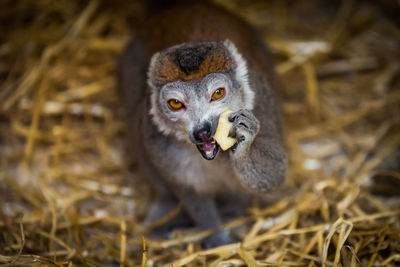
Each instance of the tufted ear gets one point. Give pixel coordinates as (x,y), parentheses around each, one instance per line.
(241,73)
(152,74)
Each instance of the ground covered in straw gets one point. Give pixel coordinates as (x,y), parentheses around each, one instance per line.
(68,196)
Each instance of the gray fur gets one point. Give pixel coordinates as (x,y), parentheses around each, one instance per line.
(160,141)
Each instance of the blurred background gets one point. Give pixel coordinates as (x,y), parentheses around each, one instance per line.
(70,197)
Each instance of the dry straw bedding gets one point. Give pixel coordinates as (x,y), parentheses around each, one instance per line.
(69,196)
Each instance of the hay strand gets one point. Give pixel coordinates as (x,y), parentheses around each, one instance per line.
(70,196)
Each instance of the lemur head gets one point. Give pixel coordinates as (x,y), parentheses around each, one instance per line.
(192,84)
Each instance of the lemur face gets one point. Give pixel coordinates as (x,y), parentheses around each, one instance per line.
(192,84)
(191,109)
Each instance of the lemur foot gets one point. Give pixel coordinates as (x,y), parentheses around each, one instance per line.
(218,239)
(245,128)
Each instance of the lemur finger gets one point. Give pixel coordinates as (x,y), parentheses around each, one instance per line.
(242,115)
(240,127)
(232,116)
(241,133)
(232,132)
(244,121)
(246,113)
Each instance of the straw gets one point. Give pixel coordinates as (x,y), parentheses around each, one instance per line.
(70,196)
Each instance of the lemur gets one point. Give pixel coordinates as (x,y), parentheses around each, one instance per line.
(184,66)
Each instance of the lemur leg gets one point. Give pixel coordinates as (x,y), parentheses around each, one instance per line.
(162,207)
(233,205)
(160,210)
(203,211)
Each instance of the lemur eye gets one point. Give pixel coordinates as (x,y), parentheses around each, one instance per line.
(218,94)
(175,104)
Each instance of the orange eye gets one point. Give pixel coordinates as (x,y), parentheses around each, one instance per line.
(175,104)
(218,94)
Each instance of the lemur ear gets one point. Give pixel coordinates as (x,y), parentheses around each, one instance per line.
(241,73)
(152,73)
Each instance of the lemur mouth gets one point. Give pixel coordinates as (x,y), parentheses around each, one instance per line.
(208,149)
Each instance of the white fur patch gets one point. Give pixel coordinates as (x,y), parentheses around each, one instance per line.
(162,127)
(241,73)
(160,124)
(154,110)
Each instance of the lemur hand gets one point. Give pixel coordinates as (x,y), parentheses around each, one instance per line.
(245,128)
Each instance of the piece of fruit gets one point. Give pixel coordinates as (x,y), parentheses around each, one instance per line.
(223,128)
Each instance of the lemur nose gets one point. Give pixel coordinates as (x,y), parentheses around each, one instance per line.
(203,134)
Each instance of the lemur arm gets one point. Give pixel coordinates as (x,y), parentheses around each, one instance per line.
(262,167)
(259,159)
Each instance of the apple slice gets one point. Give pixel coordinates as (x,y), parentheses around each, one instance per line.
(223,128)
